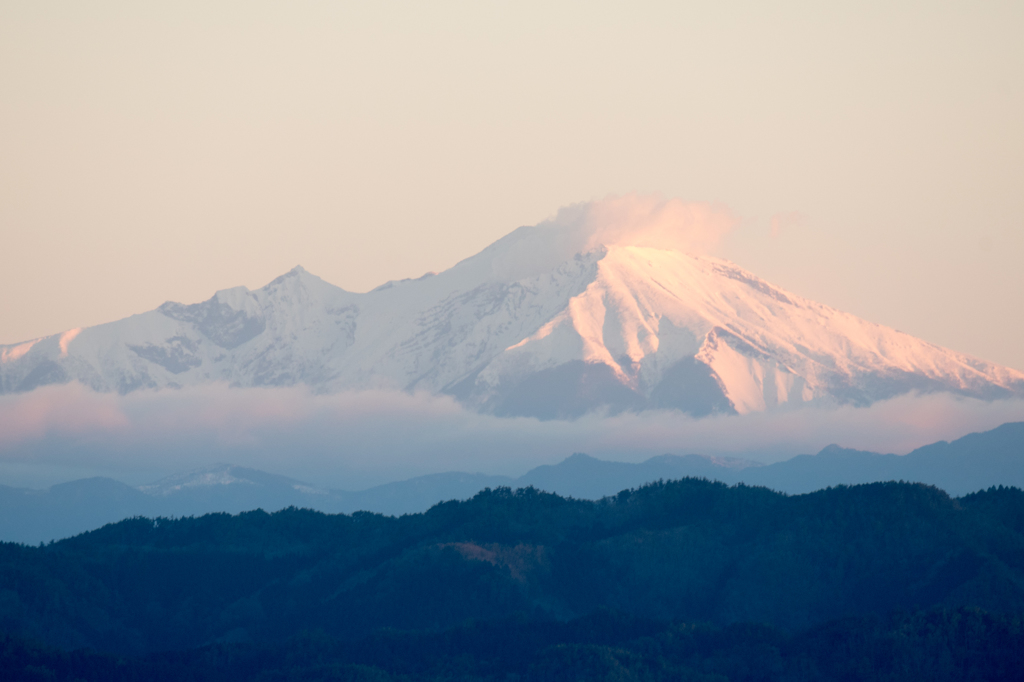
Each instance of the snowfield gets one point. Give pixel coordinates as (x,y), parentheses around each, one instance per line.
(530,326)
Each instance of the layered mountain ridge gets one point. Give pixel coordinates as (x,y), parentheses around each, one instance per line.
(966,465)
(533,325)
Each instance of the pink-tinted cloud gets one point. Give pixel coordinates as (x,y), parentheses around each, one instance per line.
(646,220)
(357,439)
(70,410)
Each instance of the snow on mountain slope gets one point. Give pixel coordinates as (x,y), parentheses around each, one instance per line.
(675,329)
(220,477)
(542,323)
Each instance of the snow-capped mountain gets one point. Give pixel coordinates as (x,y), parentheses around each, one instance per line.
(538,324)
(227,476)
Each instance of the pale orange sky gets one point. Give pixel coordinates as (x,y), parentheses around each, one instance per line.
(874,153)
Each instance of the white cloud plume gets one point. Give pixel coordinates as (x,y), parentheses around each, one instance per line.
(357,439)
(645,220)
(626,220)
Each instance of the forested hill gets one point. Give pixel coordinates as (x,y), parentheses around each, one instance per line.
(687,550)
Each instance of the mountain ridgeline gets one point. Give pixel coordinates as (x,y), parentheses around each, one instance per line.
(540,324)
(494,569)
(974,462)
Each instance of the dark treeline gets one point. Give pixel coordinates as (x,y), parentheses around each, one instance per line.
(935,645)
(529,567)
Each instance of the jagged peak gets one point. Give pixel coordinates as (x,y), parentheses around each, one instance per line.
(833,450)
(300,276)
(578,457)
(563,296)
(297,272)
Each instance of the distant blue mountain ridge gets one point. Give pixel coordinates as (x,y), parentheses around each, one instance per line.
(974,462)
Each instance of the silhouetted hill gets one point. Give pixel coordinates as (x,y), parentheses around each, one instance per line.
(69,508)
(936,644)
(688,550)
(974,462)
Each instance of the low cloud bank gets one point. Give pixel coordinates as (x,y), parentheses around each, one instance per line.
(357,439)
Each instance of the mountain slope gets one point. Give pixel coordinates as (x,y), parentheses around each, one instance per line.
(529,326)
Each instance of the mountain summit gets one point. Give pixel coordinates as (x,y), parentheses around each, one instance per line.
(550,321)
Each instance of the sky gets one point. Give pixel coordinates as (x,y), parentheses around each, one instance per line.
(871,153)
